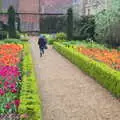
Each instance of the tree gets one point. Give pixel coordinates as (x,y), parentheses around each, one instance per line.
(69,24)
(11,22)
(107,25)
(84,28)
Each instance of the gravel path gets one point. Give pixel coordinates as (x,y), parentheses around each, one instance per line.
(68,93)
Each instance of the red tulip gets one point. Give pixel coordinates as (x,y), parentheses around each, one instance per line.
(2,92)
(0,82)
(13,85)
(17,102)
(7,106)
(14,90)
(6,83)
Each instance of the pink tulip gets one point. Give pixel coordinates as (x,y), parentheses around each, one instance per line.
(2,92)
(6,83)
(7,106)
(13,90)
(13,85)
(17,102)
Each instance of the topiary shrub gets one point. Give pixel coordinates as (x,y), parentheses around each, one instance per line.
(69,24)
(11,22)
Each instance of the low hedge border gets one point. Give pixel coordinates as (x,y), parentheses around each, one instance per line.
(30,102)
(105,75)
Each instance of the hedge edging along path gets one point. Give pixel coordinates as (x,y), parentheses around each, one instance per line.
(30,101)
(105,75)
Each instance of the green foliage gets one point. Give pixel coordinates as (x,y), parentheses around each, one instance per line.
(3,35)
(108,26)
(3,30)
(61,24)
(3,27)
(69,24)
(84,28)
(51,38)
(61,36)
(106,76)
(30,102)
(50,41)
(24,37)
(52,24)
(85,43)
(16,41)
(11,22)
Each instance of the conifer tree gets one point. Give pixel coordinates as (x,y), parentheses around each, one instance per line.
(69,23)
(11,22)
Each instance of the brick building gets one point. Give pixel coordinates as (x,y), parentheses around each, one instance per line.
(29,21)
(55,6)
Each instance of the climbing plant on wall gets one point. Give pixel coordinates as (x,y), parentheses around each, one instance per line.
(108,25)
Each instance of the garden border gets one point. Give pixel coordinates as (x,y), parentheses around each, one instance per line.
(30,101)
(105,75)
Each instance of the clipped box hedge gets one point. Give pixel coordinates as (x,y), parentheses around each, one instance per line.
(30,102)
(105,75)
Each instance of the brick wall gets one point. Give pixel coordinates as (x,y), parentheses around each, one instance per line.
(29,22)
(29,6)
(53,6)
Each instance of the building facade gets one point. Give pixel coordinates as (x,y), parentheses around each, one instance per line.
(90,7)
(21,5)
(78,8)
(93,7)
(29,22)
(55,6)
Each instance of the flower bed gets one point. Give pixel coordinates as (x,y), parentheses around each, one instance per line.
(9,77)
(30,106)
(19,99)
(105,75)
(109,57)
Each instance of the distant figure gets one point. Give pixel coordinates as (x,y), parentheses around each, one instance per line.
(42,44)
